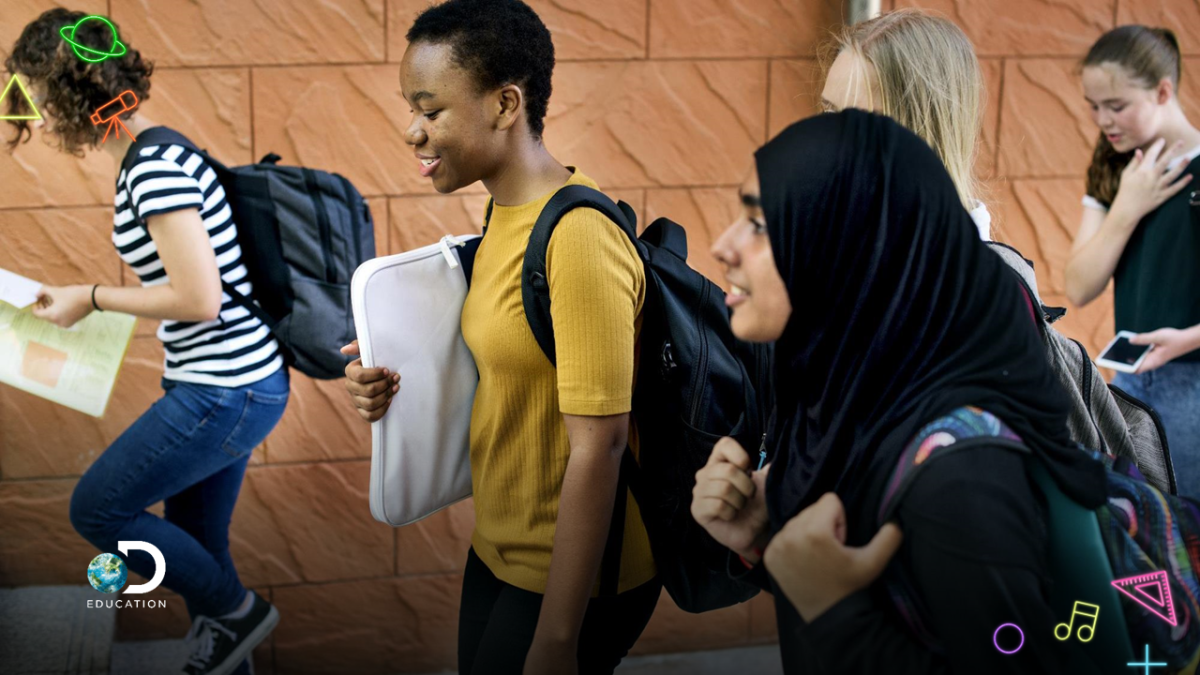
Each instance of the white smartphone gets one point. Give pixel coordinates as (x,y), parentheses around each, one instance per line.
(1123,355)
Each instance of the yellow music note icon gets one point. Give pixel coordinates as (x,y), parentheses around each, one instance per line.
(1085,610)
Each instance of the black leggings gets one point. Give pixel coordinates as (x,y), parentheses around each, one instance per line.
(496,622)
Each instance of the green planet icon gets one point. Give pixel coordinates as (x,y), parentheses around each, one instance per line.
(88,53)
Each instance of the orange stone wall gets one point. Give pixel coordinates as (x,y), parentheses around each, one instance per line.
(661,101)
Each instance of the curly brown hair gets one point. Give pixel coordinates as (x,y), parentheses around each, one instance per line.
(73,88)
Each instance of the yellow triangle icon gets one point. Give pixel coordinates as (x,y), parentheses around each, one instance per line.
(35,116)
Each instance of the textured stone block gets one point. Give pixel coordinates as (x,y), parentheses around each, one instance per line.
(369,627)
(419,221)
(796,86)
(985,160)
(42,439)
(37,174)
(38,546)
(674,630)
(381,220)
(345,119)
(60,247)
(309,523)
(1038,27)
(438,544)
(650,124)
(580,29)
(711,28)
(228,32)
(705,213)
(1181,16)
(1046,128)
(320,423)
(1040,218)
(211,106)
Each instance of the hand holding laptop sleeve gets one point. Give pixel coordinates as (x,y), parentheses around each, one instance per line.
(407,313)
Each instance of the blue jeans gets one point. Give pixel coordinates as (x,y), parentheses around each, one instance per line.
(189,449)
(1174,392)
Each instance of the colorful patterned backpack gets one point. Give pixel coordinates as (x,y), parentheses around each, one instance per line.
(1140,535)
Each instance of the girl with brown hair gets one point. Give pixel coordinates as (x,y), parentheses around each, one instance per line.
(224,381)
(1140,227)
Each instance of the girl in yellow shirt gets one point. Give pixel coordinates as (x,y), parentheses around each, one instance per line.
(546,442)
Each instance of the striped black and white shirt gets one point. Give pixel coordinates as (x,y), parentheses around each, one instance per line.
(234,350)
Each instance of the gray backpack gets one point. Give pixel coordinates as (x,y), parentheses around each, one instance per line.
(1103,417)
(302,232)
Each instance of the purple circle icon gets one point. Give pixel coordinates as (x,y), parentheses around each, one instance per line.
(996,636)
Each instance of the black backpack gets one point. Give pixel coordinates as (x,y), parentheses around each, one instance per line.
(302,233)
(696,383)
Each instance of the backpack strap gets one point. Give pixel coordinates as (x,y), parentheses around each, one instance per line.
(939,438)
(167,136)
(535,295)
(535,284)
(962,428)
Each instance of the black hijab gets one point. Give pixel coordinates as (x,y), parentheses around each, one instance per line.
(900,314)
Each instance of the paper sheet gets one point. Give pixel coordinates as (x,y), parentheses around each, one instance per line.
(16,290)
(76,368)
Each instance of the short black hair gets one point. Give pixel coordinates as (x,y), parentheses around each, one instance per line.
(499,42)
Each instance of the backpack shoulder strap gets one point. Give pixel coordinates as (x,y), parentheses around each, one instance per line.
(535,285)
(162,136)
(962,428)
(167,136)
(937,439)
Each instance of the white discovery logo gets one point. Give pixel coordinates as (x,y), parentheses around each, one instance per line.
(160,564)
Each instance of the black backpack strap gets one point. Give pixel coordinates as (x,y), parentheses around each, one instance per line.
(535,285)
(167,136)
(535,295)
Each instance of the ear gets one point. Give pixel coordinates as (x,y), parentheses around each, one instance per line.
(512,104)
(1164,91)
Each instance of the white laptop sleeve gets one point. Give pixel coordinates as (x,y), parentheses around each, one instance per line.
(407,313)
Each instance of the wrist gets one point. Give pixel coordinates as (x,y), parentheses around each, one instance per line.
(95,305)
(1124,216)
(554,637)
(1193,339)
(753,555)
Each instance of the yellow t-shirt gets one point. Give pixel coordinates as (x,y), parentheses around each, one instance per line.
(519,445)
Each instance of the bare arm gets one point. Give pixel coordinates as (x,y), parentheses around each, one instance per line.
(585,510)
(194,290)
(192,294)
(1097,249)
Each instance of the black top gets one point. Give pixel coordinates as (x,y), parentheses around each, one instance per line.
(975,544)
(1157,280)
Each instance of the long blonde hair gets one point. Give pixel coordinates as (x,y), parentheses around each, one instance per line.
(930,81)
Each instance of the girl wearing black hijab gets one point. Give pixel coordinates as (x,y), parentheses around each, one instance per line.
(888,312)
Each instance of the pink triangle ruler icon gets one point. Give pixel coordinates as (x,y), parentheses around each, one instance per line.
(1152,588)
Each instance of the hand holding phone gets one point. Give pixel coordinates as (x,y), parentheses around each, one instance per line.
(1122,355)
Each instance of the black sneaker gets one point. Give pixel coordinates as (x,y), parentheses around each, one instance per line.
(222,644)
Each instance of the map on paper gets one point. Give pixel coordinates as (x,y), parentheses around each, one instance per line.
(76,368)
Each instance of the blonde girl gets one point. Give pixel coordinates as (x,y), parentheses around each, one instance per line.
(921,71)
